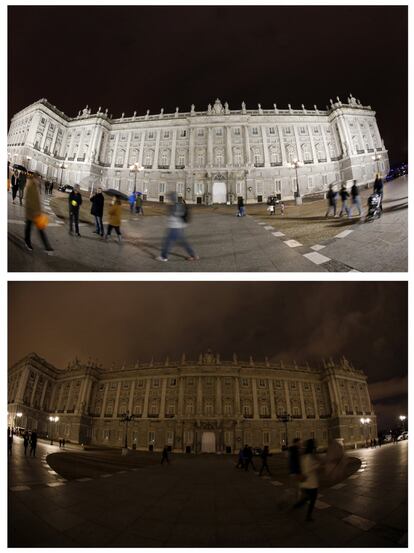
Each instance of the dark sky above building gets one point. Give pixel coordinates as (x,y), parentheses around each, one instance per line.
(147,57)
(117,322)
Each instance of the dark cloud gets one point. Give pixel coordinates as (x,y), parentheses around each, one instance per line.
(131,58)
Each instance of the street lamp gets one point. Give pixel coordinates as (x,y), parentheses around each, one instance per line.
(17,416)
(403,418)
(364,423)
(126,418)
(55,420)
(62,166)
(285,419)
(136,168)
(295,163)
(377,158)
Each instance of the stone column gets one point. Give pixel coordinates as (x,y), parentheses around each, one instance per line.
(327,152)
(255,402)
(173,148)
(141,148)
(163,396)
(42,398)
(218,396)
(34,389)
(104,400)
(81,395)
(69,396)
(34,124)
(115,150)
(131,397)
(272,400)
(128,147)
(341,133)
(59,404)
(282,145)
(118,392)
(247,144)
(315,403)
(181,396)
(265,147)
(298,148)
(157,150)
(191,148)
(314,154)
(288,407)
(22,385)
(199,407)
(237,395)
(360,136)
(42,144)
(146,399)
(302,402)
(229,154)
(52,145)
(209,147)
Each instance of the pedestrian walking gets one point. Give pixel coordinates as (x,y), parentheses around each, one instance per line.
(46,187)
(331,197)
(165,456)
(33,444)
(240,459)
(138,204)
(248,458)
(264,455)
(33,213)
(97,199)
(9,441)
(271,209)
(51,188)
(114,219)
(240,204)
(15,184)
(355,198)
(131,200)
(379,188)
(60,442)
(22,185)
(282,208)
(309,486)
(344,195)
(63,442)
(25,442)
(375,443)
(75,201)
(178,217)
(295,472)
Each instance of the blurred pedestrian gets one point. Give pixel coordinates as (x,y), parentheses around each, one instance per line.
(165,456)
(9,441)
(131,200)
(264,455)
(33,443)
(97,199)
(344,195)
(25,441)
(309,486)
(331,197)
(248,458)
(15,184)
(282,208)
(114,219)
(63,442)
(178,216)
(138,204)
(379,188)
(22,185)
(60,442)
(271,209)
(51,188)
(295,472)
(33,213)
(240,459)
(355,198)
(75,201)
(240,205)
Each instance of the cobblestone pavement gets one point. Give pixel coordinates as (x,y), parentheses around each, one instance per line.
(205,501)
(225,243)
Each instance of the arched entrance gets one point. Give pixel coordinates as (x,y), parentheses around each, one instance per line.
(208,442)
(219,192)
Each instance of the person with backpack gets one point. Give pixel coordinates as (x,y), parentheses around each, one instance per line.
(178,218)
(138,204)
(331,197)
(344,194)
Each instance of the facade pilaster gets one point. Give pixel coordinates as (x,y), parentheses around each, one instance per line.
(66,408)
(52,145)
(118,392)
(42,398)
(325,144)
(173,150)
(191,148)
(265,147)
(298,148)
(209,147)
(302,402)
(104,400)
(146,399)
(314,154)
(115,152)
(237,395)
(272,400)
(255,402)
(22,385)
(163,396)
(218,396)
(128,147)
(282,145)
(157,150)
(229,153)
(34,389)
(42,144)
(141,149)
(199,408)
(131,397)
(315,403)
(287,394)
(247,152)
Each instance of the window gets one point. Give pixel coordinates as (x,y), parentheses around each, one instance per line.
(219,132)
(151,437)
(183,133)
(237,131)
(293,385)
(166,134)
(302,130)
(237,158)
(199,188)
(170,410)
(271,130)
(190,381)
(209,408)
(295,411)
(188,437)
(262,383)
(257,158)
(209,381)
(278,186)
(200,159)
(181,160)
(113,386)
(244,382)
(150,135)
(162,187)
(315,130)
(247,409)
(228,438)
(170,437)
(200,132)
(306,386)
(310,182)
(156,381)
(297,434)
(140,383)
(287,130)
(189,407)
(138,409)
(173,381)
(255,131)
(219,158)
(125,385)
(148,159)
(278,384)
(153,410)
(239,188)
(325,180)
(164,159)
(264,410)
(274,157)
(228,410)
(266,438)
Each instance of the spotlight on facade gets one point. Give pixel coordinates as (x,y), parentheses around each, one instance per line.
(52,420)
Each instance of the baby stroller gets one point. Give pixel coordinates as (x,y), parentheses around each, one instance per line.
(374,207)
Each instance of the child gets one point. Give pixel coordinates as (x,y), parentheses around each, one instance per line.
(271,209)
(114,213)
(282,208)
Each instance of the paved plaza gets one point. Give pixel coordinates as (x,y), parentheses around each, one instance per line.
(225,243)
(199,501)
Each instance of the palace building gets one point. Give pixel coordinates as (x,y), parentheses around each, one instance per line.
(208,405)
(207,157)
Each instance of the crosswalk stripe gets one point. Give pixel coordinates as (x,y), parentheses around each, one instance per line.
(55,484)
(20,488)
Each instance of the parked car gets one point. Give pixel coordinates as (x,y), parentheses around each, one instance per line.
(403,436)
(387,438)
(65,188)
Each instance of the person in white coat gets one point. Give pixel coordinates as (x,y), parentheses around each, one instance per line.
(309,486)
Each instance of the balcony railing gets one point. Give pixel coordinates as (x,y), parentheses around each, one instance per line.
(259,164)
(163,166)
(264,416)
(322,160)
(70,411)
(169,415)
(108,415)
(180,166)
(310,416)
(105,164)
(337,158)
(324,416)
(275,164)
(370,150)
(71,158)
(80,158)
(119,165)
(379,149)
(148,166)
(308,161)
(246,416)
(360,151)
(153,415)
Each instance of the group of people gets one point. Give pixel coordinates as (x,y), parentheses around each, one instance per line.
(49,184)
(135,203)
(18,183)
(353,195)
(245,459)
(28,439)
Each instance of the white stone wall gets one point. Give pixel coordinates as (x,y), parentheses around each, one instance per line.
(250,151)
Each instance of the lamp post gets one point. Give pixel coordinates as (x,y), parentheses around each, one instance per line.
(295,164)
(136,168)
(17,416)
(126,418)
(364,423)
(377,158)
(62,166)
(285,419)
(403,418)
(52,420)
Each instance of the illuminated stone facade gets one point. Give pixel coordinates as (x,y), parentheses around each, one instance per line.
(207,157)
(205,406)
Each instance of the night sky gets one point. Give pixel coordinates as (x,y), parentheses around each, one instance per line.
(117,322)
(146,57)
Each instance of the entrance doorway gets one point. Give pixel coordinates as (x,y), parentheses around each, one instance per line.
(208,442)
(219,193)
